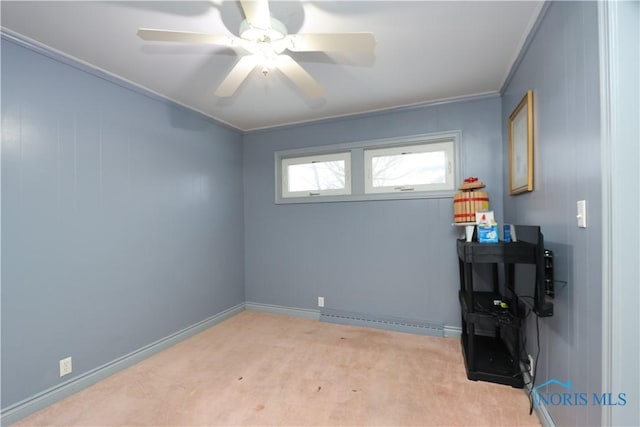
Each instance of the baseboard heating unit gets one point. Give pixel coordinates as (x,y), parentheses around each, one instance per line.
(389,323)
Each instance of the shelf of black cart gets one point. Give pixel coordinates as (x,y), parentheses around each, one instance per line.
(492,361)
(485,309)
(500,252)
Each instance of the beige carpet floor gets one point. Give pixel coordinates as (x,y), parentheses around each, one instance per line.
(264,369)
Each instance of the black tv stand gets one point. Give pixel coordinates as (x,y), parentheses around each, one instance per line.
(492,356)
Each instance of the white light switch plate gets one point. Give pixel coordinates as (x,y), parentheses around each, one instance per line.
(582,214)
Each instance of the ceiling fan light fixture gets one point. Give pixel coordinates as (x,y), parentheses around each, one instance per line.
(267,39)
(266,56)
(277,31)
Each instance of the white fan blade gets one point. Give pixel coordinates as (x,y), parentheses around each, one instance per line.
(236,76)
(354,42)
(299,76)
(257,13)
(184,36)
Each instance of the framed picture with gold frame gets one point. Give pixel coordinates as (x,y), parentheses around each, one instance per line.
(521,146)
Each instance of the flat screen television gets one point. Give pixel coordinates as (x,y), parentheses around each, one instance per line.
(529,279)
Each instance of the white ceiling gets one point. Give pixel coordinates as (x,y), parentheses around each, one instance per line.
(426,51)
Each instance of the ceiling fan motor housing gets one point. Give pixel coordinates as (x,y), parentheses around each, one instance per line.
(277,31)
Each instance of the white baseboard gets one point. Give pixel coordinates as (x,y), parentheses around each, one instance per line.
(280,309)
(52,395)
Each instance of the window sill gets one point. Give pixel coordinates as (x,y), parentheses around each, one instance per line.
(368,197)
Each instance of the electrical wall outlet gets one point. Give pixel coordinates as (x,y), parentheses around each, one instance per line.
(65,366)
(320,301)
(530,366)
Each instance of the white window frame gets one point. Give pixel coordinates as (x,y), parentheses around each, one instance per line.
(290,161)
(357,175)
(447,147)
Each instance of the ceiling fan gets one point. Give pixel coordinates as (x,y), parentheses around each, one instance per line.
(266,38)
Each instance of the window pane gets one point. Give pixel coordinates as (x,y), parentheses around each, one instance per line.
(409,169)
(316,176)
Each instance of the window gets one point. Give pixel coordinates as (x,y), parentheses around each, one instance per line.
(407,168)
(319,175)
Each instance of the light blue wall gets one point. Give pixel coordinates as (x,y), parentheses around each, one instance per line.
(122,220)
(386,258)
(561,66)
